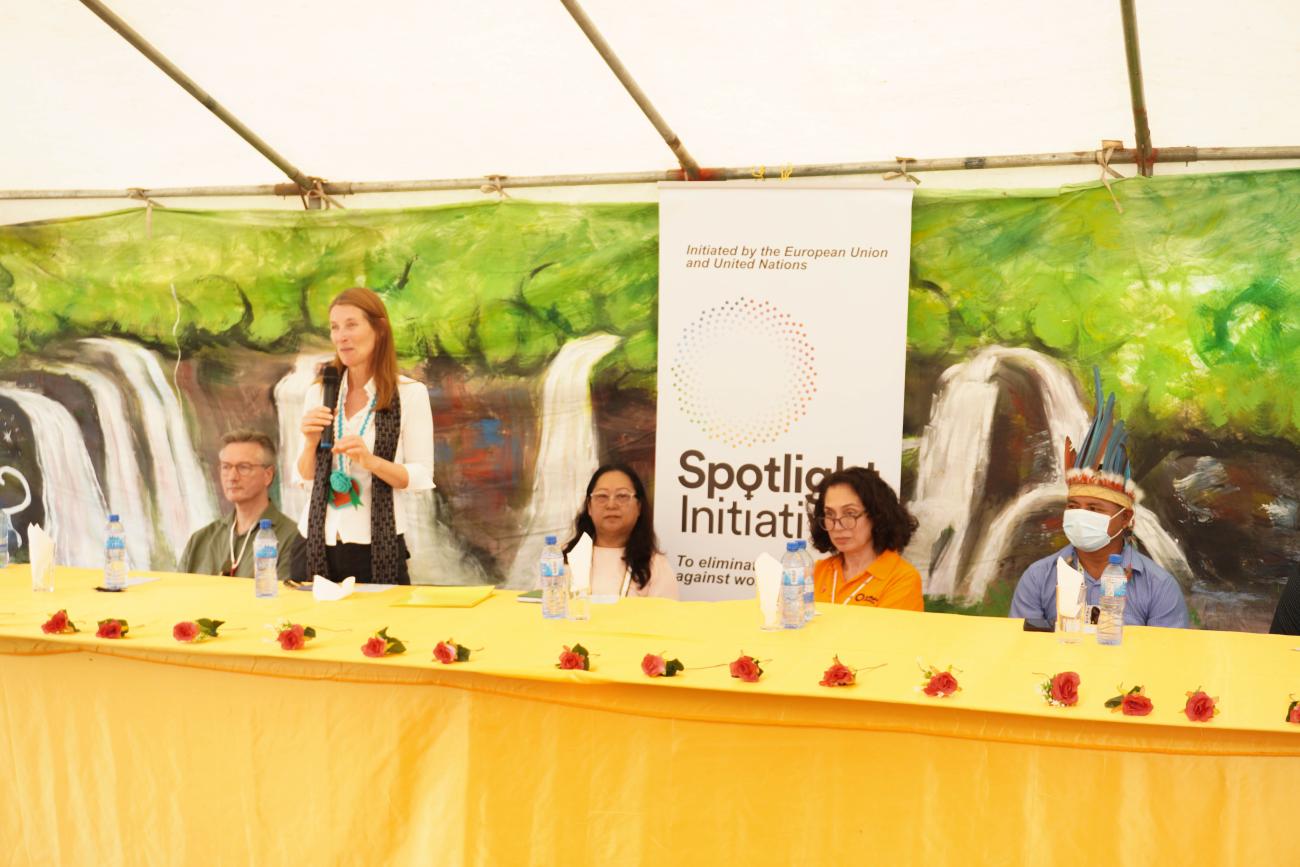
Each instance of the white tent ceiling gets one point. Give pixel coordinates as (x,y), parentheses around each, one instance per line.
(405,89)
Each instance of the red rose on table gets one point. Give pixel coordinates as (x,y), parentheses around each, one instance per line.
(1293,712)
(943,684)
(653,666)
(374,647)
(111,628)
(293,638)
(747,669)
(838,675)
(58,623)
(1065,688)
(186,630)
(449,651)
(1200,707)
(576,658)
(1136,704)
(1130,703)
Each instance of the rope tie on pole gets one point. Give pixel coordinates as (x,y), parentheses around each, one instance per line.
(902,172)
(315,198)
(494,185)
(759,173)
(138,194)
(1103,156)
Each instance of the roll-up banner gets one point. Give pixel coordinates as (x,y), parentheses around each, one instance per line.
(782,338)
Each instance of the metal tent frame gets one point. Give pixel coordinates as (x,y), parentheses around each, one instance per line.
(316,192)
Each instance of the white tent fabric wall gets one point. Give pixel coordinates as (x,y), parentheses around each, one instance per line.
(410,90)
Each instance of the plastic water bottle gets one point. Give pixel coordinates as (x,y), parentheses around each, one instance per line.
(115,555)
(555,587)
(5,529)
(1114,590)
(266,551)
(809,590)
(792,587)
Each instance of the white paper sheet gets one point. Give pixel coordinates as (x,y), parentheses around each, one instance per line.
(767,575)
(1069,590)
(373,588)
(580,564)
(41,548)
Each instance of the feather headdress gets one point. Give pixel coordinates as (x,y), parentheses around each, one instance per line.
(1100,467)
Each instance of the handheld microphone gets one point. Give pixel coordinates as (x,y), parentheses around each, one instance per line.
(330,379)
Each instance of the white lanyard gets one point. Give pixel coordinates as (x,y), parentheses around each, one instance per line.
(627,582)
(234,564)
(835,584)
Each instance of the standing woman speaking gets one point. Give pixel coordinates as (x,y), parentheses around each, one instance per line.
(381,428)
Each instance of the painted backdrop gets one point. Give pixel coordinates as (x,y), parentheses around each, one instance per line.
(129,343)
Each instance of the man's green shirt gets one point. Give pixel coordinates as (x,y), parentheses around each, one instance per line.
(208,551)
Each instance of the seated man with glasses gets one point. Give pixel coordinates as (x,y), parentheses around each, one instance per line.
(857,517)
(625,556)
(225,547)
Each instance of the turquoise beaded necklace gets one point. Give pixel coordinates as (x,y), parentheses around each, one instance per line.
(340,480)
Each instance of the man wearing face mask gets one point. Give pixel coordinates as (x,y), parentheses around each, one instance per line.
(1099,513)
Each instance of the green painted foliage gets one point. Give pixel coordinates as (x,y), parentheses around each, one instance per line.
(496,285)
(1189,300)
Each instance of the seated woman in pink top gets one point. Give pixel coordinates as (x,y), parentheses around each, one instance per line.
(625,560)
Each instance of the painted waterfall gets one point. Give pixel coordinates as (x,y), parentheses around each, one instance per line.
(1189,301)
(567,455)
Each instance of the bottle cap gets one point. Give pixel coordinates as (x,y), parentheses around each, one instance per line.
(1116,560)
(550,540)
(791,546)
(265,524)
(112,517)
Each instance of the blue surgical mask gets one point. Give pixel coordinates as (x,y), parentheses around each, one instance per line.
(1088,531)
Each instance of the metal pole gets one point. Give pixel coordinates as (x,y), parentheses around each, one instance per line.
(684,158)
(192,88)
(1126,156)
(1140,125)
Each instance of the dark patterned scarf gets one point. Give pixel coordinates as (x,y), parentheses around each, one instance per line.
(385,553)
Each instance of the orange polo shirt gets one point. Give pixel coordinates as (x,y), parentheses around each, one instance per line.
(889,582)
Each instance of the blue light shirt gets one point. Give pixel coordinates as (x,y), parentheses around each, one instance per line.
(1153,595)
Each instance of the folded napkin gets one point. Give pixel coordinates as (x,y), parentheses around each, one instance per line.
(41,549)
(325,590)
(767,575)
(1069,590)
(580,565)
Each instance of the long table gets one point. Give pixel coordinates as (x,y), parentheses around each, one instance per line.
(145,750)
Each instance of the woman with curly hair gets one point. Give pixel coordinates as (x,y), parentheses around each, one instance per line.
(858,519)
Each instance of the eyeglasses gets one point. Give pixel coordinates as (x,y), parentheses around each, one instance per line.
(618,498)
(240,469)
(848,522)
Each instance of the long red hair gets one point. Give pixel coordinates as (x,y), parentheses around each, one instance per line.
(383,361)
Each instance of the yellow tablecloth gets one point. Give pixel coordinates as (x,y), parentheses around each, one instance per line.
(148,751)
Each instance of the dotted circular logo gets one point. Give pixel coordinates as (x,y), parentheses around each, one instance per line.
(743,372)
